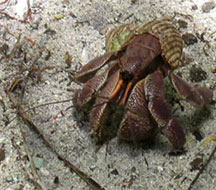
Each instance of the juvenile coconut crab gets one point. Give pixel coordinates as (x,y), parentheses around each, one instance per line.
(138,58)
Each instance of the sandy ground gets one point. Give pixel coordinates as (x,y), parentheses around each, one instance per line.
(79,28)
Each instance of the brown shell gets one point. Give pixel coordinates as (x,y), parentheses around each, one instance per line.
(170,39)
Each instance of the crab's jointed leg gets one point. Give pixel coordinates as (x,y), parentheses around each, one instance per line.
(137,123)
(84,95)
(196,95)
(93,66)
(99,112)
(160,110)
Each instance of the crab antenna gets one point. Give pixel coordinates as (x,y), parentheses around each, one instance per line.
(127,90)
(117,88)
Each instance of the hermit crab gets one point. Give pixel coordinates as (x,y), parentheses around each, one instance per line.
(129,77)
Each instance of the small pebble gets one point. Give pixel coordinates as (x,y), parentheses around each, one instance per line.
(114,172)
(68,59)
(198,135)
(133,1)
(85,57)
(72,15)
(59,16)
(16,180)
(133,169)
(182,23)
(4,48)
(208,6)
(197,74)
(103,31)
(35,25)
(194,7)
(2,154)
(160,168)
(213,70)
(56,180)
(44,171)
(38,162)
(196,163)
(189,38)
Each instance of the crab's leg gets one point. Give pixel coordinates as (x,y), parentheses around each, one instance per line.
(160,110)
(99,112)
(137,123)
(91,87)
(197,95)
(84,95)
(93,66)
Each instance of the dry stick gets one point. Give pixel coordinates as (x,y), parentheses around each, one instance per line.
(29,14)
(11,17)
(202,168)
(3,2)
(45,104)
(36,179)
(93,184)
(48,103)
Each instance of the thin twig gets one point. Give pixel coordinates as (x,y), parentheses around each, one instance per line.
(45,104)
(29,13)
(6,2)
(48,103)
(92,183)
(3,2)
(202,168)
(14,18)
(36,178)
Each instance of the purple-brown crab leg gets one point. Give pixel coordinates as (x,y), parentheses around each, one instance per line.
(93,66)
(137,123)
(197,95)
(92,86)
(160,110)
(99,112)
(84,95)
